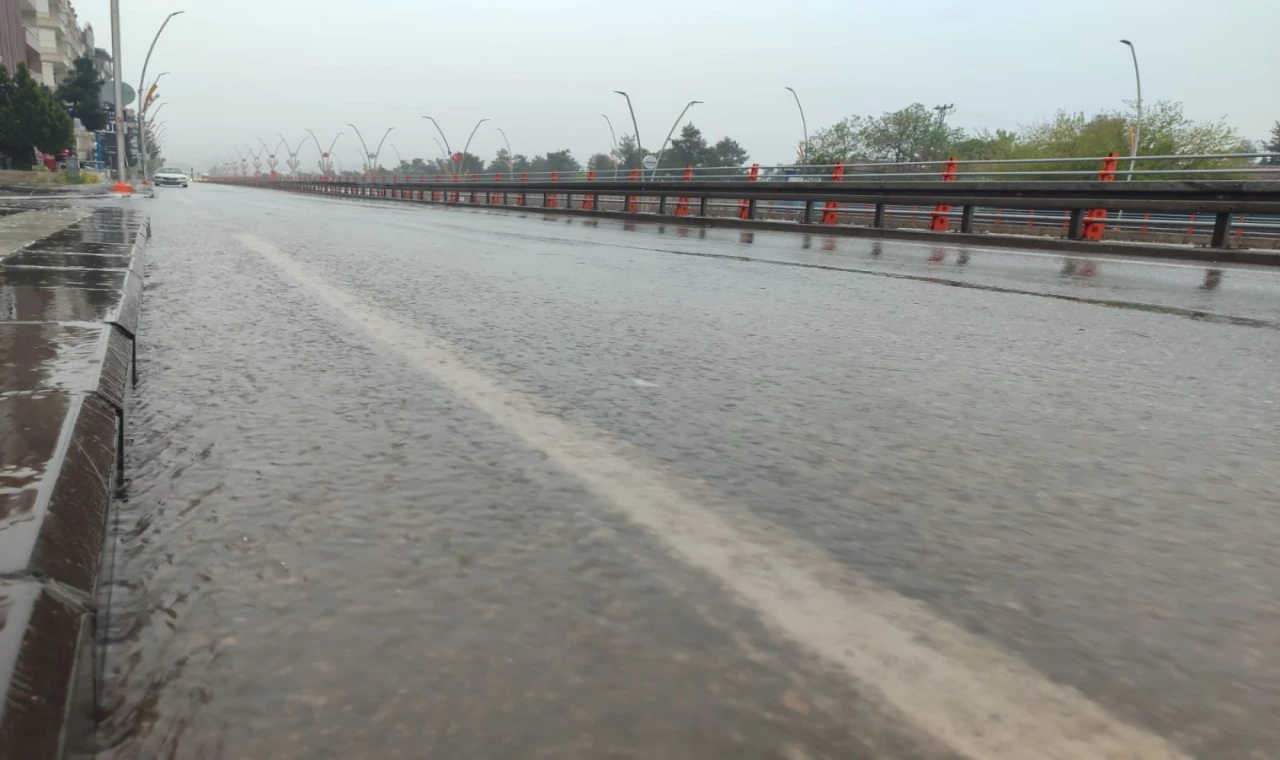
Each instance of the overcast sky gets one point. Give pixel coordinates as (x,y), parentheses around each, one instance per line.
(544,70)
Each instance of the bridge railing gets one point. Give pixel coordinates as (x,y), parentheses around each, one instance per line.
(1224,195)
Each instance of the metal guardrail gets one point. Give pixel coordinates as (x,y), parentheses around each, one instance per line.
(1081,206)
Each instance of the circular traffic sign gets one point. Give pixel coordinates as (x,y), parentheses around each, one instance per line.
(457,158)
(649,162)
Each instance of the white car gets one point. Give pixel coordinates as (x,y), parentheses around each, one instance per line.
(171,177)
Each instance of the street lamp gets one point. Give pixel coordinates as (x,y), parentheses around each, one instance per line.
(400,161)
(1137,126)
(156,112)
(614,136)
(293,161)
(803,125)
(634,126)
(444,155)
(462,163)
(142,106)
(511,168)
(372,157)
(687,106)
(325,163)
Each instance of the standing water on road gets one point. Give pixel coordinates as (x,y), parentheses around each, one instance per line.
(480,486)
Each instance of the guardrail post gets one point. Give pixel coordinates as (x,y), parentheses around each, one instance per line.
(1221,229)
(549,199)
(633,206)
(831,209)
(456,178)
(747,209)
(702,205)
(493,196)
(1075,225)
(435,191)
(522,199)
(475,180)
(589,199)
(808,213)
(682,203)
(941,220)
(966,218)
(1095,223)
(877,218)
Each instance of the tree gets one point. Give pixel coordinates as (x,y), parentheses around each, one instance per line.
(629,156)
(727,152)
(1273,146)
(842,141)
(910,134)
(81,91)
(555,161)
(31,118)
(600,162)
(689,149)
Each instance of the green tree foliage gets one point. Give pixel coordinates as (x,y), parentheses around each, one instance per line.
(555,161)
(629,155)
(30,117)
(1273,146)
(600,162)
(689,149)
(81,91)
(727,152)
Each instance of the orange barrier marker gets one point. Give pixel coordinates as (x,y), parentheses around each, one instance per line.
(475,180)
(941,220)
(549,199)
(682,203)
(1095,218)
(589,200)
(744,208)
(494,197)
(435,194)
(831,209)
(633,203)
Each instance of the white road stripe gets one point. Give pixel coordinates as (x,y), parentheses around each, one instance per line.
(976,699)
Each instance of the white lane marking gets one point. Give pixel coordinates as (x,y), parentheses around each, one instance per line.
(981,702)
(643,383)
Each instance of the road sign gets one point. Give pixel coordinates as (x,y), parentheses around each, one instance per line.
(650,162)
(457,158)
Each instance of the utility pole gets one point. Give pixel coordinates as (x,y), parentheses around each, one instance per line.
(942,116)
(118,84)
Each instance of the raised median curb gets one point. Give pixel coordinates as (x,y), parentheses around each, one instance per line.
(70,300)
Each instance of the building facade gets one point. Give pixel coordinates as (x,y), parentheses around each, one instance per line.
(61,38)
(19,41)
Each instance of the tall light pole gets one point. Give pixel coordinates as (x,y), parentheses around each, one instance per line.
(293,161)
(156,112)
(399,160)
(325,163)
(463,162)
(118,86)
(687,106)
(614,137)
(142,105)
(511,167)
(634,125)
(1137,126)
(444,154)
(803,125)
(372,157)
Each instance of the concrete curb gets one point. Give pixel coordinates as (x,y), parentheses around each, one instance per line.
(75,299)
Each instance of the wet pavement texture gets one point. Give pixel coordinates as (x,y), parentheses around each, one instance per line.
(66,355)
(326,551)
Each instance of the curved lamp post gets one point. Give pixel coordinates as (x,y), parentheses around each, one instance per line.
(271,156)
(293,160)
(511,168)
(463,162)
(679,118)
(614,137)
(444,160)
(803,125)
(257,159)
(398,158)
(325,163)
(142,138)
(372,158)
(634,125)
(1137,125)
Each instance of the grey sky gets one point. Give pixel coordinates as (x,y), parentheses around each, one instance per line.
(544,71)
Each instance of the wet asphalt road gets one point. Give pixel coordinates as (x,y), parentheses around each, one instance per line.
(409,482)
